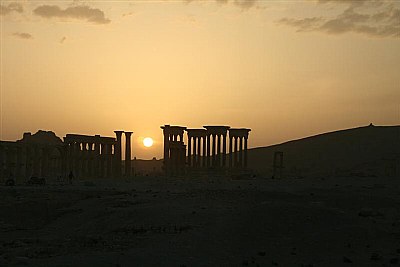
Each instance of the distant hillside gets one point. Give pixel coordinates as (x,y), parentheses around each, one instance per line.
(363,151)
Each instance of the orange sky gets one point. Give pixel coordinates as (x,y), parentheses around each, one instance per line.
(285,69)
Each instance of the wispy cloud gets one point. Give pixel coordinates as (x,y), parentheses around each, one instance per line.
(86,13)
(12,7)
(378,19)
(22,35)
(243,4)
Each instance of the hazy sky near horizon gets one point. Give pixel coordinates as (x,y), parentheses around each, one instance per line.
(285,69)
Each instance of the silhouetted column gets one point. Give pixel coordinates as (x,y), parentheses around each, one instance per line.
(198,151)
(102,160)
(80,159)
(214,150)
(218,150)
(224,150)
(240,151)
(117,154)
(75,158)
(194,151)
(128,162)
(230,150)
(208,149)
(97,158)
(84,159)
(245,152)
(236,152)
(204,157)
(109,159)
(189,156)
(90,159)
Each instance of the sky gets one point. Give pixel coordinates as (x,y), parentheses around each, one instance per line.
(285,69)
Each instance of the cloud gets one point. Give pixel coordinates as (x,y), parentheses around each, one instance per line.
(22,35)
(382,22)
(243,4)
(12,7)
(86,13)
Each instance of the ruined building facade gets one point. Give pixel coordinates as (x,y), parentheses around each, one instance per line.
(206,148)
(45,155)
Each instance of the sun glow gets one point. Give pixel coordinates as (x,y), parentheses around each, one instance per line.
(148,142)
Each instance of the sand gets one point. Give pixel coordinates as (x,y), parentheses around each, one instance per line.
(155,221)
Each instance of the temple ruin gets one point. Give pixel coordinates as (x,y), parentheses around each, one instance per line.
(206,148)
(82,156)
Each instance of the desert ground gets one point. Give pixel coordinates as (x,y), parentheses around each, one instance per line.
(203,221)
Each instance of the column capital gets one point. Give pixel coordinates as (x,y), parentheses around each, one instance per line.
(118,132)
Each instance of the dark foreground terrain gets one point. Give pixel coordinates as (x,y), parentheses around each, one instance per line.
(203,222)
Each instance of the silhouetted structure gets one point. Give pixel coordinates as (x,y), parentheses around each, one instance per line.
(197,144)
(174,149)
(207,148)
(278,164)
(238,136)
(216,157)
(45,155)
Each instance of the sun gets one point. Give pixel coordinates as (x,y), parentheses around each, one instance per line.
(148,142)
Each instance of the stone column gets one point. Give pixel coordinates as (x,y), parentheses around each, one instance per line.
(245,152)
(198,151)
(219,149)
(84,159)
(208,149)
(102,159)
(109,159)
(204,157)
(214,150)
(241,151)
(224,150)
(166,145)
(230,150)
(236,152)
(74,146)
(128,162)
(97,157)
(90,159)
(194,151)
(189,156)
(117,154)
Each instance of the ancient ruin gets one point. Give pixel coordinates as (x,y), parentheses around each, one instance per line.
(277,165)
(206,148)
(174,149)
(81,156)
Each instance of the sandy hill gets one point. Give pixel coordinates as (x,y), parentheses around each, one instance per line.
(363,151)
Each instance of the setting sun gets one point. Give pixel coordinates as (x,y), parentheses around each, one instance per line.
(148,142)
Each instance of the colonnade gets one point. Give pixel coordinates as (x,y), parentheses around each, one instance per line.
(207,147)
(45,155)
(97,156)
(21,161)
(174,149)
(238,147)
